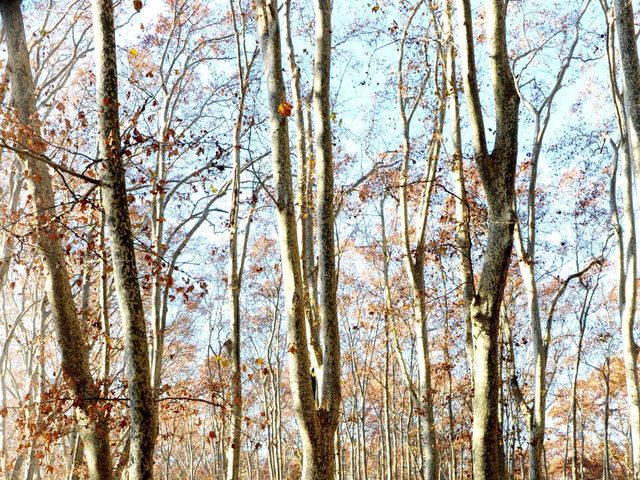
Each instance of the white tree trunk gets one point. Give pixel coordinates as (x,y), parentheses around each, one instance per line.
(317,424)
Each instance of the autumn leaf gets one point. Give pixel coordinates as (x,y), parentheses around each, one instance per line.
(285,109)
(259,361)
(137,5)
(292,349)
(133,52)
(375,8)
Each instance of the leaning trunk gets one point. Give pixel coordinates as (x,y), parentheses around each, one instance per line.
(299,366)
(92,423)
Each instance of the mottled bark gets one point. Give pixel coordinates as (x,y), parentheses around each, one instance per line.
(628,114)
(234,276)
(317,424)
(626,34)
(299,368)
(304,200)
(329,386)
(497,174)
(16,181)
(92,424)
(125,271)
(627,295)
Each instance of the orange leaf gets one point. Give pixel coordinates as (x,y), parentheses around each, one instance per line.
(285,109)
(137,5)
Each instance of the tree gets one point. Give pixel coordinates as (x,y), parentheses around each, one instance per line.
(31,148)
(317,421)
(497,173)
(628,119)
(116,206)
(415,250)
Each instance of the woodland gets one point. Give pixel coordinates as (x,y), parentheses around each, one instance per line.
(319,240)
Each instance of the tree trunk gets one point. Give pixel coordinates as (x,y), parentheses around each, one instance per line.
(627,294)
(116,206)
(92,424)
(574,399)
(628,116)
(235,269)
(624,17)
(497,173)
(329,386)
(317,425)
(304,200)
(606,374)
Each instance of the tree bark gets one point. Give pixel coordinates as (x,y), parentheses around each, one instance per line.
(317,423)
(626,34)
(115,203)
(304,199)
(497,174)
(628,119)
(92,424)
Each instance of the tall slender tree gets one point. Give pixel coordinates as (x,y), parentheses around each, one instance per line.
(317,415)
(125,271)
(620,23)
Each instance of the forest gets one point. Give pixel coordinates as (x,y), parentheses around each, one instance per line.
(319,240)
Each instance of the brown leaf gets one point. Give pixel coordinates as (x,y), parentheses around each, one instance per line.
(285,109)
